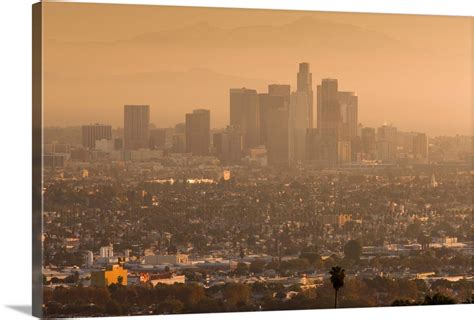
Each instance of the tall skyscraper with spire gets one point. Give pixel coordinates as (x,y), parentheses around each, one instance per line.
(304,83)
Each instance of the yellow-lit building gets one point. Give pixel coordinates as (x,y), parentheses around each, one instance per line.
(110,275)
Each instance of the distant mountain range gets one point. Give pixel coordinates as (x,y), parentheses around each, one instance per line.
(181,69)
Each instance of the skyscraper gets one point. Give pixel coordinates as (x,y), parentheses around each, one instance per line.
(93,132)
(244,114)
(136,127)
(329,111)
(387,137)
(348,104)
(268,104)
(274,117)
(368,143)
(304,83)
(229,144)
(298,126)
(198,131)
(283,90)
(157,138)
(415,145)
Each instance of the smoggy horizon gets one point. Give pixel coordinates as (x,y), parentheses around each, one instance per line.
(411,71)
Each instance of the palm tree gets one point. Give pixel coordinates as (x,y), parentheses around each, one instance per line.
(337,279)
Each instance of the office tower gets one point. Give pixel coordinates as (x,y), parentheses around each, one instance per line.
(136,127)
(282,90)
(229,144)
(368,143)
(323,149)
(304,83)
(93,132)
(274,120)
(348,103)
(180,128)
(344,152)
(387,140)
(157,138)
(313,146)
(415,145)
(118,144)
(267,105)
(356,148)
(420,146)
(198,132)
(217,143)
(244,114)
(277,135)
(298,126)
(179,143)
(329,111)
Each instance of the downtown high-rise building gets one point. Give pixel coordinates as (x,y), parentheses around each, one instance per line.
(329,117)
(368,143)
(298,126)
(157,138)
(228,145)
(386,143)
(283,90)
(415,146)
(198,132)
(274,116)
(348,103)
(268,104)
(136,127)
(244,114)
(304,83)
(93,132)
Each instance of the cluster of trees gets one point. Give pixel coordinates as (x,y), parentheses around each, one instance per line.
(337,291)
(134,300)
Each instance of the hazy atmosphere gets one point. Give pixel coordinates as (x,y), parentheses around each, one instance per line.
(412,71)
(224,160)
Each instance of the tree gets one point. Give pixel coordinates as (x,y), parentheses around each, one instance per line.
(171,306)
(337,279)
(76,277)
(312,257)
(236,293)
(402,302)
(352,250)
(241,269)
(112,307)
(257,266)
(438,298)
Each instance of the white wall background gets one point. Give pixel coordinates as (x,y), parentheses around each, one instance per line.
(15,152)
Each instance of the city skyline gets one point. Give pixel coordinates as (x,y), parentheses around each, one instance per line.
(411,76)
(268,128)
(195,160)
(346,99)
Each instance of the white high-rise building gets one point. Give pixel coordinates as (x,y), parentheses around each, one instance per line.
(106,252)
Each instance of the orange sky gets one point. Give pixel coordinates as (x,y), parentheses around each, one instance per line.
(412,71)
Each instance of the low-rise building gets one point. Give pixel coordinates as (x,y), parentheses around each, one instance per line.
(168,258)
(112,274)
